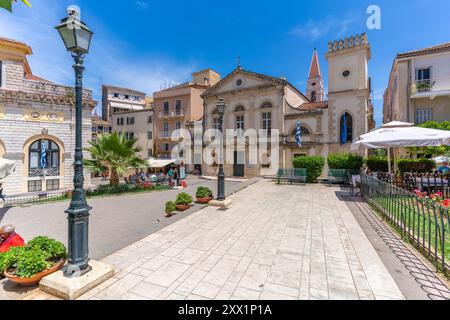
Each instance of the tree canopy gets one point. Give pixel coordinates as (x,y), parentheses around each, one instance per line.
(7,4)
(434,151)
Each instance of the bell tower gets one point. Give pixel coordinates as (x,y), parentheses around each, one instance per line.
(315,88)
(349,88)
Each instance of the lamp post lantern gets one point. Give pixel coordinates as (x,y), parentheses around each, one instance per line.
(77,39)
(221,176)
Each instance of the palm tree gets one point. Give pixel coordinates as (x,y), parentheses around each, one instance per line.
(113,153)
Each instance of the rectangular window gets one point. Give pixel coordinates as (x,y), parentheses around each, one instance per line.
(177,125)
(132,120)
(131,135)
(423,74)
(150,119)
(166,147)
(116,95)
(35,186)
(178,107)
(267,122)
(1,74)
(166,108)
(52,185)
(127,97)
(150,135)
(424,115)
(149,153)
(240,123)
(216,123)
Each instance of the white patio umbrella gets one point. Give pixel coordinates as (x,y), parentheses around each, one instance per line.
(400,134)
(6,167)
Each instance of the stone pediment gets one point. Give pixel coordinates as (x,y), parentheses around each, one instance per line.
(240,80)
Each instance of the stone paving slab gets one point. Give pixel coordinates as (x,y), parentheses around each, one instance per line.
(274,242)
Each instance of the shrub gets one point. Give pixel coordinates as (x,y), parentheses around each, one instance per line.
(38,255)
(183,199)
(54,250)
(204,192)
(421,165)
(348,161)
(170,207)
(377,164)
(313,165)
(30,262)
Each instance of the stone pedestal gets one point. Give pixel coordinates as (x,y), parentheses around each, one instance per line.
(221,204)
(66,288)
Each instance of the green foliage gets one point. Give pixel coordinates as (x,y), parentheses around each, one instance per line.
(204,192)
(38,255)
(434,151)
(2,264)
(10,258)
(421,165)
(348,161)
(114,153)
(377,164)
(30,262)
(170,206)
(123,188)
(183,199)
(313,165)
(53,250)
(7,4)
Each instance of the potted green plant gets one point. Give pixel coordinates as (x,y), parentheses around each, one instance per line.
(204,195)
(183,201)
(170,208)
(27,265)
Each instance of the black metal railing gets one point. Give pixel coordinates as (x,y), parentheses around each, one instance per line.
(425,182)
(422,221)
(36,197)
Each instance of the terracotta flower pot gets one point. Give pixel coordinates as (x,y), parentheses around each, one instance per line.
(34,280)
(182,207)
(169,214)
(204,200)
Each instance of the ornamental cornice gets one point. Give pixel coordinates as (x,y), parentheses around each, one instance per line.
(22,97)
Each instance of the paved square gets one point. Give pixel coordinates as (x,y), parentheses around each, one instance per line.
(274,242)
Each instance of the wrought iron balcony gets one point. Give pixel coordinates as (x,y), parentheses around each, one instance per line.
(44,172)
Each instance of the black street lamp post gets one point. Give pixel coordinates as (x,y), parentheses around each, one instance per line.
(221,175)
(77,37)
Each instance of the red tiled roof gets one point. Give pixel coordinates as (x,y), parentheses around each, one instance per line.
(313,105)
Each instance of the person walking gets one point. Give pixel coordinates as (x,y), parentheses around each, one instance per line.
(170,174)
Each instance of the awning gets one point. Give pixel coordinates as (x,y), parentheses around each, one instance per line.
(6,167)
(393,135)
(159,163)
(126,106)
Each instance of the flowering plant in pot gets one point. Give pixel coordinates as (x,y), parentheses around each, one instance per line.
(28,265)
(183,201)
(204,195)
(170,208)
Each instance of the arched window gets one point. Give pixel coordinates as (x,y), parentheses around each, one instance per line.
(266,105)
(44,159)
(239,108)
(305,131)
(346,128)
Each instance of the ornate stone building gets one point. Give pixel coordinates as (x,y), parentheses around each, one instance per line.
(37,124)
(256,101)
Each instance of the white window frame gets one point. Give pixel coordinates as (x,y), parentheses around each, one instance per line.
(424,115)
(266,121)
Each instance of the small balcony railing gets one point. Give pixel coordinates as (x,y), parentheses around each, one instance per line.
(172,113)
(167,135)
(424,85)
(44,172)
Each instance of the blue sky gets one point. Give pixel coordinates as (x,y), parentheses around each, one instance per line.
(142,43)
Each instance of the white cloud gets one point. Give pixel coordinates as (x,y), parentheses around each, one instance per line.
(142,4)
(331,26)
(108,62)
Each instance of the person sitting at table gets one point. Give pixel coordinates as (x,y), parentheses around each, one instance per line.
(9,238)
(445,169)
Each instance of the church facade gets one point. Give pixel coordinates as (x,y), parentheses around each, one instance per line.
(257,101)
